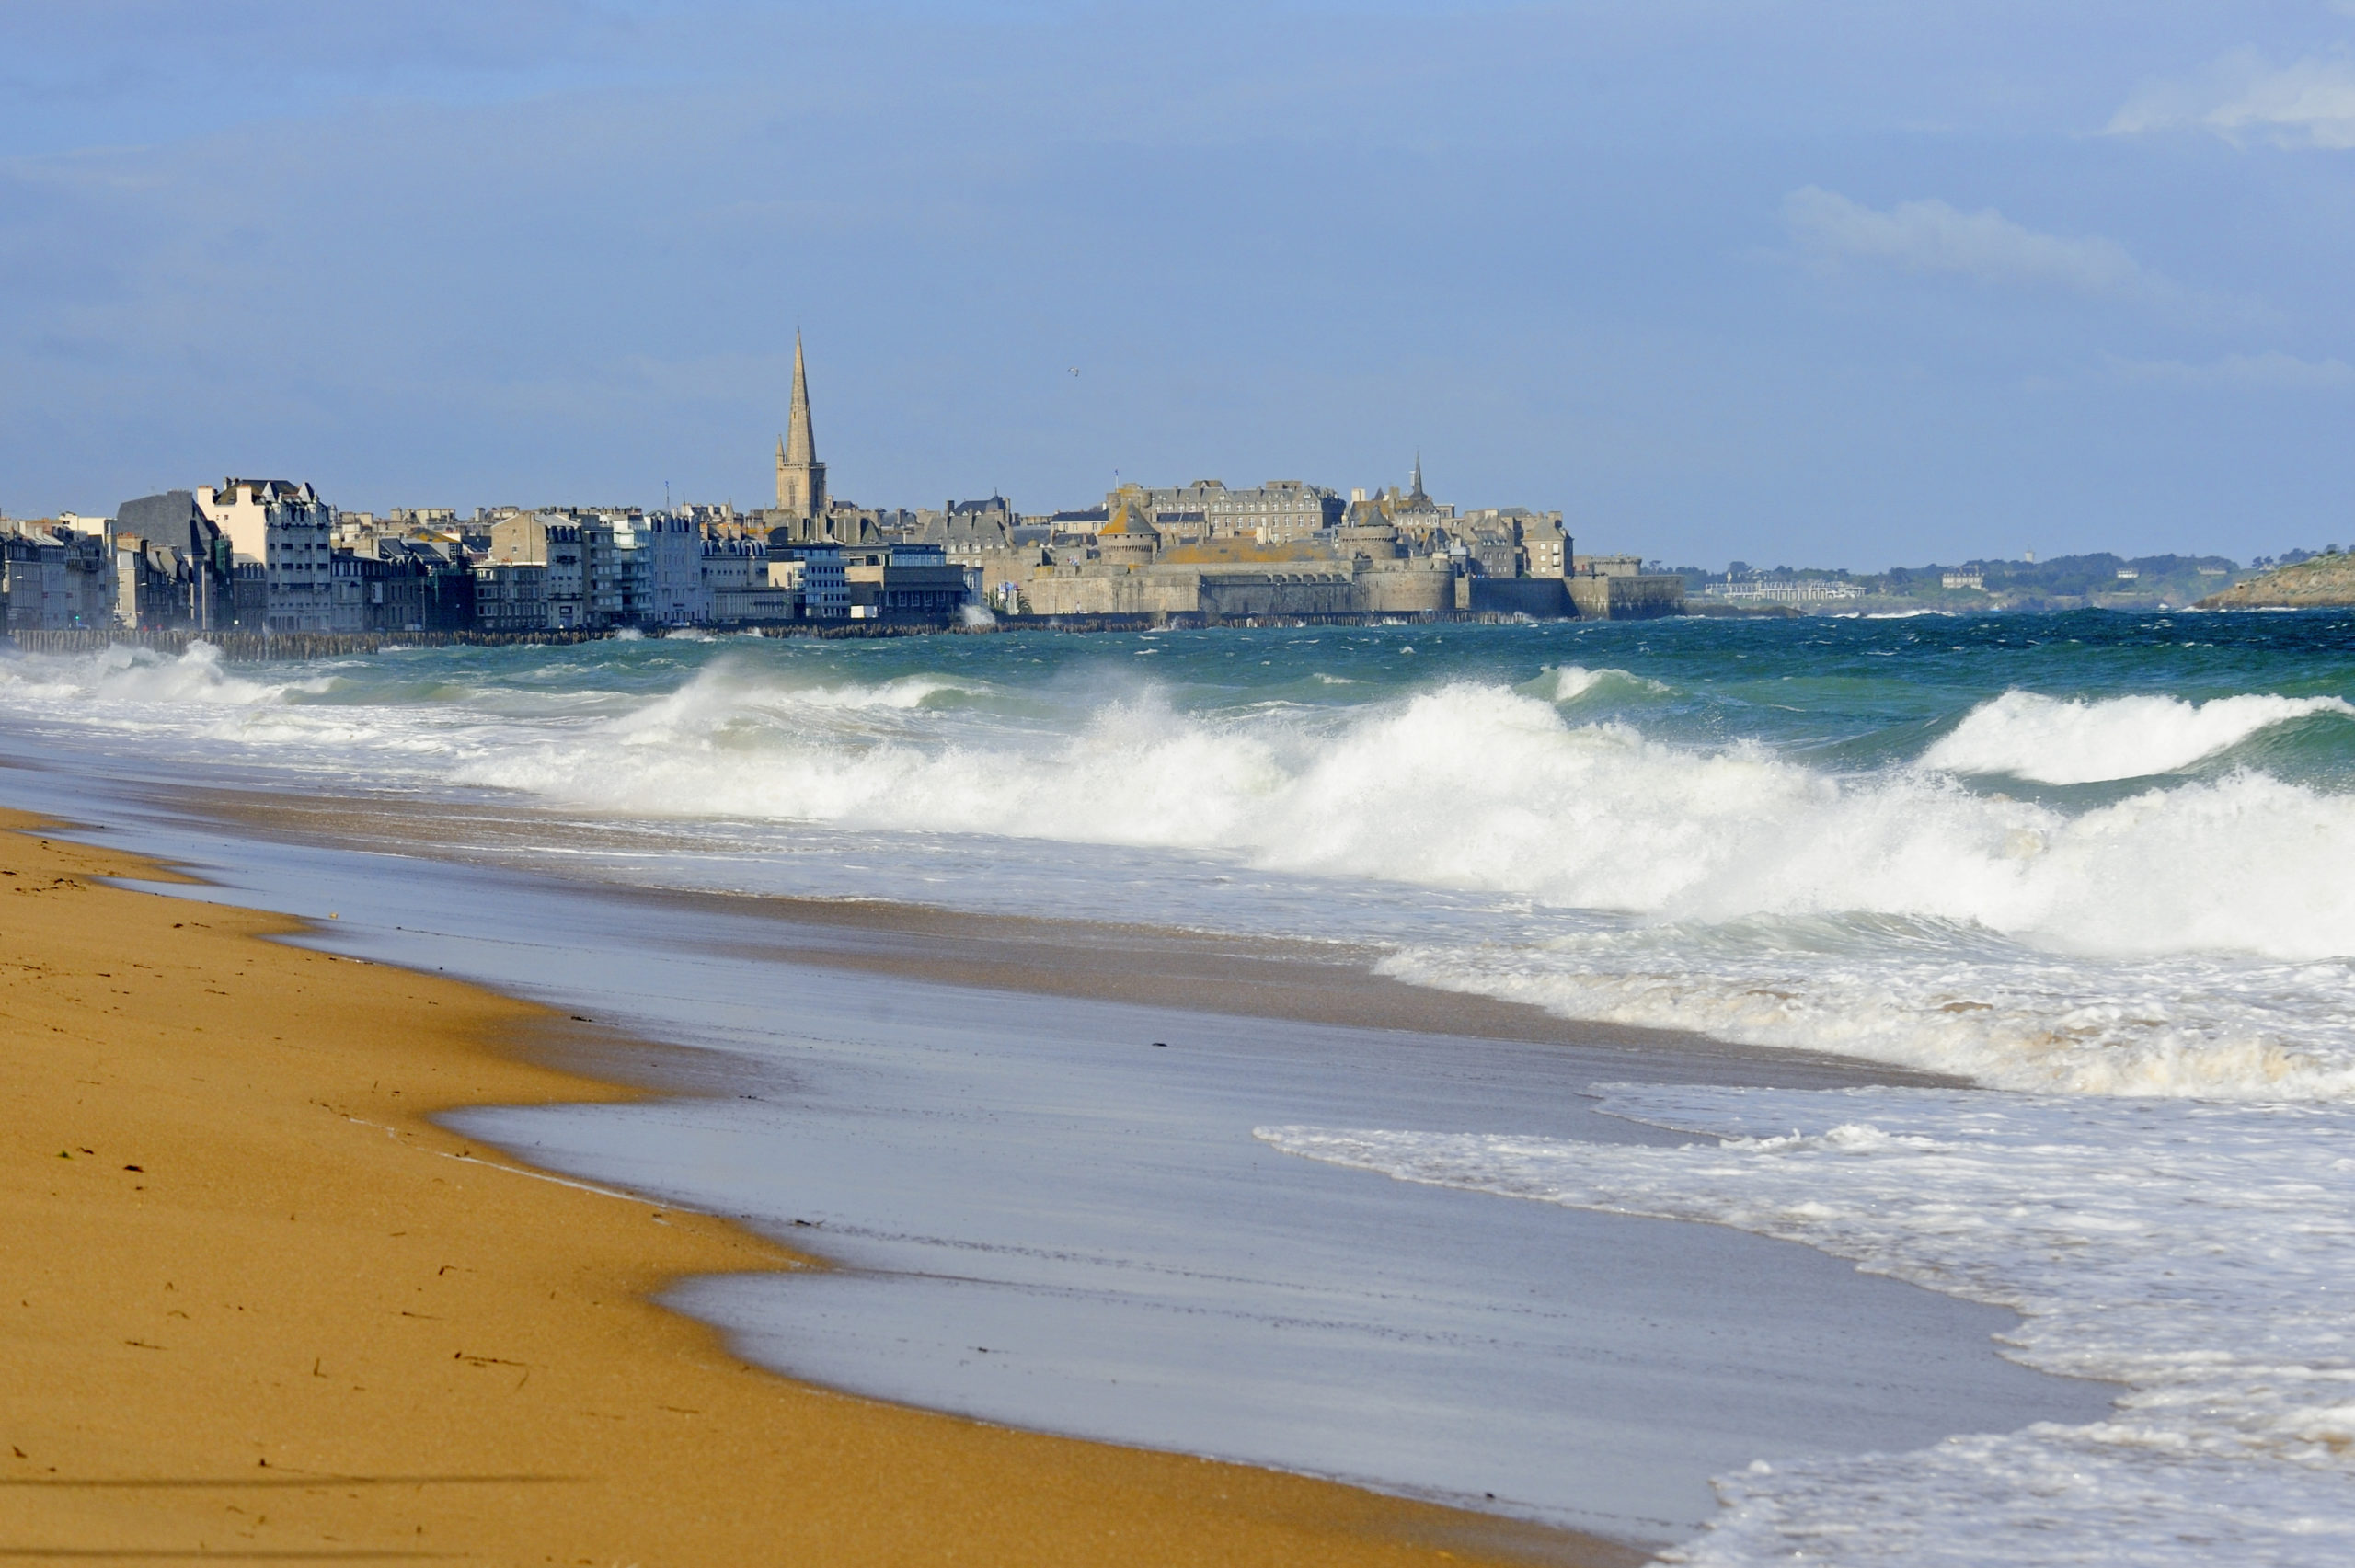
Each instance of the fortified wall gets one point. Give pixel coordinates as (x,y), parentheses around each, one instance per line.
(1368,566)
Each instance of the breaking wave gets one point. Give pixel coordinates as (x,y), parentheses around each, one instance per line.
(2190,937)
(2175,942)
(1568,682)
(1481,788)
(123,674)
(2050,741)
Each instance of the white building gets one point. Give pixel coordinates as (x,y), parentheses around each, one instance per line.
(820,575)
(671,554)
(289,529)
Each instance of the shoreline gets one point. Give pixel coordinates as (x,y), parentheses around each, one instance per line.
(1234,974)
(428,1358)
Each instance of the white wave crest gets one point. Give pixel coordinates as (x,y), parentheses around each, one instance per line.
(121,673)
(1476,787)
(2201,1256)
(2188,939)
(1568,682)
(2048,740)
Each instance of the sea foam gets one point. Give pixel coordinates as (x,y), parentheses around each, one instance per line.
(1479,787)
(2201,1256)
(2051,741)
(2185,939)
(137,676)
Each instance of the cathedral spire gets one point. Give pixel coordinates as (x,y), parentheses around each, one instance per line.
(800,444)
(800,477)
(1415,490)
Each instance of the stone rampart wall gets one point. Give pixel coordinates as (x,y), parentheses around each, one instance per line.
(1627,598)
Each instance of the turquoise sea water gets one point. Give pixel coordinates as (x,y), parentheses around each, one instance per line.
(2084,852)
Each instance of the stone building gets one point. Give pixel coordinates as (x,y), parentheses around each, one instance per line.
(190,582)
(151,586)
(1362,571)
(53,577)
(413,585)
(1513,541)
(1128,539)
(1415,514)
(511,596)
(800,477)
(967,529)
(1276,512)
(736,577)
(806,513)
(991,536)
(549,540)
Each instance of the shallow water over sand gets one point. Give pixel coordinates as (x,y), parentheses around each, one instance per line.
(1047,1220)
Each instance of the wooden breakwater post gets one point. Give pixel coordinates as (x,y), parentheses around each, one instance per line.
(252,647)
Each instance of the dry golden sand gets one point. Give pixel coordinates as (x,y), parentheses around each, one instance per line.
(257,1307)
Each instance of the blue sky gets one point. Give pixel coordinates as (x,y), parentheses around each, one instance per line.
(1849,284)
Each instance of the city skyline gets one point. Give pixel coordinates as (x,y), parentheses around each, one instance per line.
(1716,281)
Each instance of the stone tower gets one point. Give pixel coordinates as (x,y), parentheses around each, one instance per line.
(800,477)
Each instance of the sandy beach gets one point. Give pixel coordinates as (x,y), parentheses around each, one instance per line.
(261,1307)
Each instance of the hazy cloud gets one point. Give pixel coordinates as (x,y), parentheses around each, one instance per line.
(1931,236)
(2271,371)
(2308,103)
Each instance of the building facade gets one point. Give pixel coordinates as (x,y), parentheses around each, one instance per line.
(552,541)
(671,553)
(54,578)
(198,556)
(1276,512)
(511,596)
(736,579)
(817,575)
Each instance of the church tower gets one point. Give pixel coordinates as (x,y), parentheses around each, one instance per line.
(800,477)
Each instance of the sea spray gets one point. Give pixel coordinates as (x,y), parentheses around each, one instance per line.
(1589,838)
(2201,1257)
(2051,741)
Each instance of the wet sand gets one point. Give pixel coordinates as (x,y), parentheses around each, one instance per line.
(1257,977)
(261,1306)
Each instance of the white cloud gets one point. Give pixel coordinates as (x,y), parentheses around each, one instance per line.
(1931,236)
(2308,103)
(2271,372)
